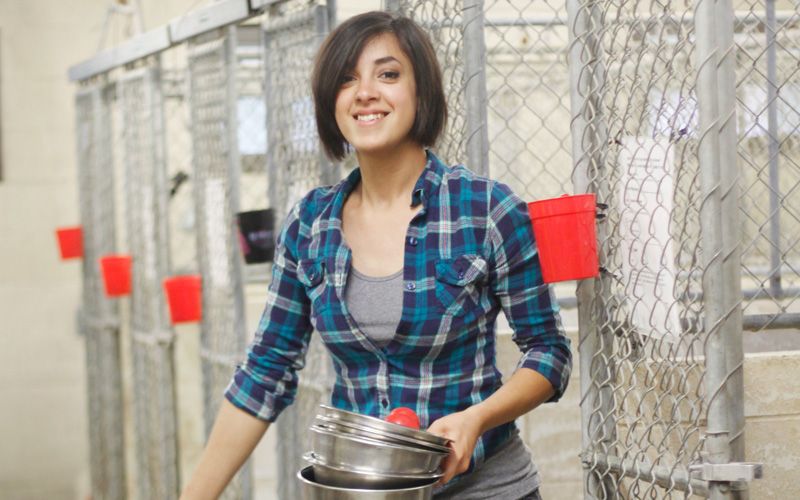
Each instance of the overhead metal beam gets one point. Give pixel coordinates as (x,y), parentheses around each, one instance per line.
(194,23)
(216,15)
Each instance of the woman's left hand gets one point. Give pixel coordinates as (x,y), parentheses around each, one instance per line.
(464,429)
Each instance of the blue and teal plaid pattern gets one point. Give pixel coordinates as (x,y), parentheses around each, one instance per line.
(469,253)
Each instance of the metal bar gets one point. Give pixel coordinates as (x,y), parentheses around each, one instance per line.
(774,153)
(391,5)
(676,478)
(216,15)
(741,17)
(731,329)
(99,314)
(330,19)
(137,47)
(713,282)
(586,74)
(753,294)
(329,171)
(475,81)
(244,491)
(777,321)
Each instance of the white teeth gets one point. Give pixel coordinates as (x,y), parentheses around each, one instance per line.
(369,118)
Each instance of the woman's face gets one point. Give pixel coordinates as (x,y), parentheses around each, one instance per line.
(377,102)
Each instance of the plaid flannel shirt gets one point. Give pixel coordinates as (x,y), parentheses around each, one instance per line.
(469,252)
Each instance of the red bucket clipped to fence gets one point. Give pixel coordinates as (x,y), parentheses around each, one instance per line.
(566,237)
(70,242)
(184,298)
(116,270)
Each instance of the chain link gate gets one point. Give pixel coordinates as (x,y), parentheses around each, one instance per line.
(517,51)
(661,332)
(296,164)
(767,38)
(141,112)
(98,318)
(212,73)
(654,135)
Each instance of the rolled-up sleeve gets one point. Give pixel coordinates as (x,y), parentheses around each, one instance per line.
(528,303)
(266,382)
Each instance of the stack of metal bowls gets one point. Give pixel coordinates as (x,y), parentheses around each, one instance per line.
(357,457)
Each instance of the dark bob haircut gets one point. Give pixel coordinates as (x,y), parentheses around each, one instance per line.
(338,56)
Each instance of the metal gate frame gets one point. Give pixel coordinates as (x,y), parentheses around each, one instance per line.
(98,317)
(152,338)
(216,167)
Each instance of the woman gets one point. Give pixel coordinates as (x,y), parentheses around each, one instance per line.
(402,268)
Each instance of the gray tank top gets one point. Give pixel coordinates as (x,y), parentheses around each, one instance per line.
(375,303)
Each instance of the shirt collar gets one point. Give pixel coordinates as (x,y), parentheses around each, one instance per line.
(426,185)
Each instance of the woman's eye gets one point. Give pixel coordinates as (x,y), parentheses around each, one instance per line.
(391,75)
(347,79)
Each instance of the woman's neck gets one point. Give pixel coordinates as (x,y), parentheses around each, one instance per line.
(386,179)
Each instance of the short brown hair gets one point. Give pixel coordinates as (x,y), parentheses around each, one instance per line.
(338,56)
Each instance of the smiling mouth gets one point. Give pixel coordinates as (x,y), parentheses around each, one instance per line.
(372,117)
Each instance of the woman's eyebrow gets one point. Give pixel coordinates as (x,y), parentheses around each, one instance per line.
(386,59)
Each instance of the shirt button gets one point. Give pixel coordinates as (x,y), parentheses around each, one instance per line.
(385,402)
(412,241)
(411,286)
(460,274)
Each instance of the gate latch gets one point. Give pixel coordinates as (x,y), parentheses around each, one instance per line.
(733,472)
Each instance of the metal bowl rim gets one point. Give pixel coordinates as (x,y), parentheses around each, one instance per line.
(364,440)
(316,460)
(427,445)
(356,490)
(382,424)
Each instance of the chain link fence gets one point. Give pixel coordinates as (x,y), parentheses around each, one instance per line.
(140,105)
(212,70)
(98,318)
(656,107)
(296,164)
(188,127)
(766,38)
(626,120)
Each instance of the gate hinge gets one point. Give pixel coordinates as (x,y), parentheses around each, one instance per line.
(732,472)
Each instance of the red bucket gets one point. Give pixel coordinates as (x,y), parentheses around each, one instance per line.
(70,242)
(184,298)
(565,235)
(116,274)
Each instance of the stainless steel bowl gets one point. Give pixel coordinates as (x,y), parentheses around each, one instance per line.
(369,455)
(312,490)
(376,423)
(373,433)
(343,477)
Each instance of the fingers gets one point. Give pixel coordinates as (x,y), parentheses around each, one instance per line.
(455,463)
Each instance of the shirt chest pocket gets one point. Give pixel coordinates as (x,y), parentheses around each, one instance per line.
(459,283)
(311,274)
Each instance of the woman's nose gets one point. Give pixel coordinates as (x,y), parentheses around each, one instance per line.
(366,90)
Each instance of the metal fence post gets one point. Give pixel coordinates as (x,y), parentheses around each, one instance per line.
(775,260)
(587,132)
(477,135)
(731,328)
(714,283)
